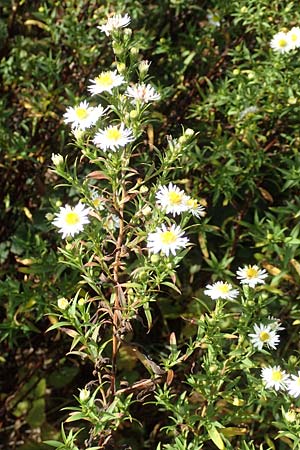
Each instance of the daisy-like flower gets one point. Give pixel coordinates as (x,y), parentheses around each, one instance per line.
(113,137)
(195,208)
(274,323)
(280,42)
(83,116)
(221,289)
(264,335)
(172,199)
(293,385)
(143,93)
(167,240)
(293,37)
(214,19)
(71,220)
(106,81)
(114,23)
(251,275)
(274,377)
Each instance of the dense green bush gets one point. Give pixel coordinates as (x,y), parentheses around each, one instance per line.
(154,362)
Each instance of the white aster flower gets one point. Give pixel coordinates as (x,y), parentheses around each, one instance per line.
(221,289)
(172,199)
(71,220)
(143,93)
(293,385)
(114,23)
(113,137)
(83,116)
(274,377)
(214,18)
(195,208)
(280,42)
(274,323)
(251,275)
(293,37)
(264,335)
(166,240)
(106,81)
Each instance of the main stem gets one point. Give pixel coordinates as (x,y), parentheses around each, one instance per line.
(118,303)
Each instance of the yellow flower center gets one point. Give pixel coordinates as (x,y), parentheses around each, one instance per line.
(264,336)
(72,218)
(175,198)
(97,202)
(81,113)
(105,79)
(168,237)
(276,375)
(282,43)
(251,272)
(294,37)
(224,288)
(192,203)
(113,134)
(298,381)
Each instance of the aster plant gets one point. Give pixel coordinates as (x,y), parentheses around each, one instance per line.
(127,231)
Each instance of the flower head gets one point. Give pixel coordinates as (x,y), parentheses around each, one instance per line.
(57,159)
(106,81)
(221,289)
(264,335)
(143,93)
(274,323)
(280,42)
(293,37)
(172,199)
(195,208)
(62,303)
(166,240)
(114,23)
(214,18)
(71,220)
(83,116)
(113,137)
(274,377)
(293,385)
(251,275)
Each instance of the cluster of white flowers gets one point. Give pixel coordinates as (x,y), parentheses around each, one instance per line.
(71,220)
(283,42)
(276,378)
(173,201)
(249,275)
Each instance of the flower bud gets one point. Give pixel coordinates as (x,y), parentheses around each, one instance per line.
(84,395)
(62,303)
(57,159)
(133,114)
(144,67)
(121,68)
(134,51)
(81,302)
(155,258)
